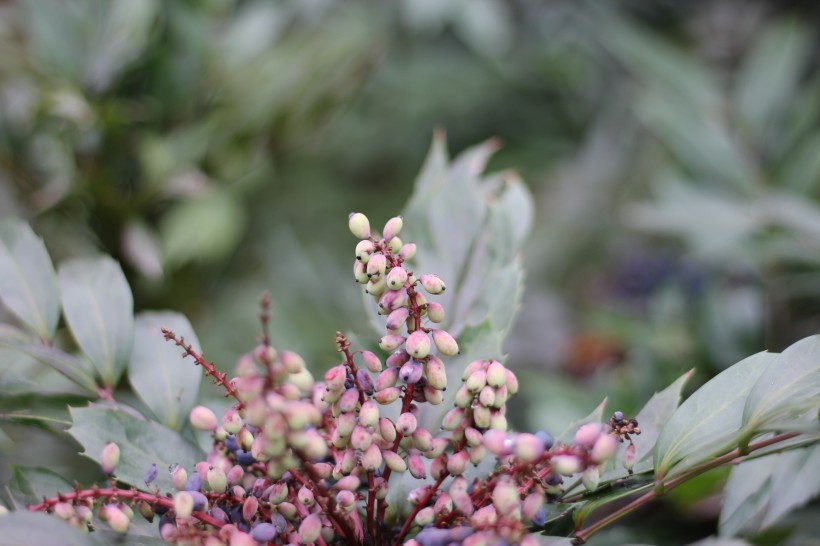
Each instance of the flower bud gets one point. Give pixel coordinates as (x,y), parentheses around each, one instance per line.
(310,529)
(407,251)
(376,265)
(396,278)
(364,249)
(411,372)
(432,284)
(435,312)
(217,480)
(183,504)
(566,464)
(116,519)
(387,396)
(359,225)
(604,448)
(203,418)
(394,461)
(371,362)
(418,344)
(396,319)
(406,424)
(372,458)
(392,228)
(457,463)
(110,458)
(588,434)
(445,343)
(391,342)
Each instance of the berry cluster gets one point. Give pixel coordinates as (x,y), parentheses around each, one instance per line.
(296,461)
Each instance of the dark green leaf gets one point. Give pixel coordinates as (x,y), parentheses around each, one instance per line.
(163,379)
(141,443)
(28,285)
(789,387)
(31,485)
(98,307)
(23,528)
(710,420)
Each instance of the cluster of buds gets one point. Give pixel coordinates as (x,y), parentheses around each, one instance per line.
(300,461)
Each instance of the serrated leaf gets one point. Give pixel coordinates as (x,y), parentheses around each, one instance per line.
(141,443)
(70,367)
(99,308)
(28,285)
(788,388)
(760,492)
(710,419)
(23,528)
(163,379)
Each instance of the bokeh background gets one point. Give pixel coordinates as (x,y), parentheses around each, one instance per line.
(215,148)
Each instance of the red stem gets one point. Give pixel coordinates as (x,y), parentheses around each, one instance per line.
(421,504)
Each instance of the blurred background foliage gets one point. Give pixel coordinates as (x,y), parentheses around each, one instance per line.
(215,147)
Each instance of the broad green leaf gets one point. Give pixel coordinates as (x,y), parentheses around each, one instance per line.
(770,73)
(204,229)
(596,416)
(69,366)
(99,308)
(31,485)
(710,419)
(163,379)
(141,443)
(788,388)
(28,285)
(24,528)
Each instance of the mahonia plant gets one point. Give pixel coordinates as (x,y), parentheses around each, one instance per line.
(296,461)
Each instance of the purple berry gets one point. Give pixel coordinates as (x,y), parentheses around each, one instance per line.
(230,443)
(540,517)
(546,438)
(194,483)
(150,474)
(264,532)
(244,457)
(618,416)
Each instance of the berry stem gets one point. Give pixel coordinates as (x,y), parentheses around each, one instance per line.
(417,508)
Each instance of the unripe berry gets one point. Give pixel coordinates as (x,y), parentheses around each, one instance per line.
(629,457)
(150,474)
(426,516)
(406,424)
(416,465)
(264,532)
(452,419)
(392,300)
(588,434)
(476,381)
(346,500)
(473,367)
(438,468)
(369,414)
(533,503)
(183,504)
(505,498)
(396,278)
(364,249)
(349,400)
(376,286)
(487,397)
(235,474)
(396,319)
(391,342)
(371,362)
(249,508)
(231,421)
(477,454)
(110,458)
(590,478)
(528,447)
(359,225)
(457,463)
(376,266)
(498,420)
(422,439)
(411,372)
(387,396)
(310,529)
(372,458)
(432,283)
(484,517)
(439,445)
(445,343)
(63,510)
(566,464)
(435,312)
(392,228)
(388,378)
(407,251)
(512,382)
(278,493)
(217,480)
(394,461)
(335,377)
(482,417)
(360,272)
(432,395)
(305,496)
(387,429)
(418,344)
(394,245)
(360,438)
(496,375)
(604,448)
(463,397)
(116,519)
(203,418)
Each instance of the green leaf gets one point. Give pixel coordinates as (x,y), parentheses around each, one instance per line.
(163,379)
(788,388)
(718,541)
(98,307)
(204,229)
(596,416)
(64,363)
(770,74)
(760,492)
(709,420)
(23,528)
(141,443)
(31,485)
(28,285)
